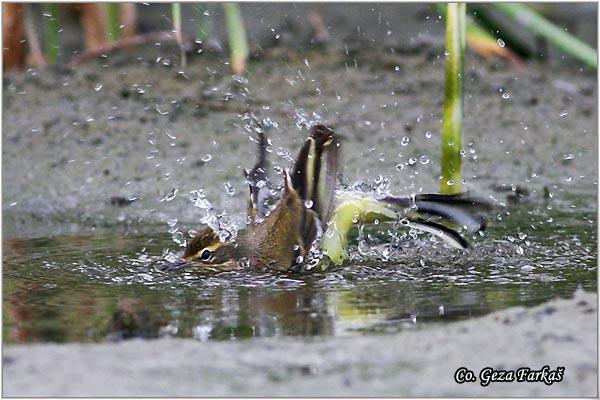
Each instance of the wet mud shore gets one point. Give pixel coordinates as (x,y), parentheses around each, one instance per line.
(103,144)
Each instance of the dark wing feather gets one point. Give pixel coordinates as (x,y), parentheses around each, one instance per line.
(448,235)
(314,173)
(258,179)
(458,208)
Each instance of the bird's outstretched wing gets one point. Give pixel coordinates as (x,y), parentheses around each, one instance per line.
(416,211)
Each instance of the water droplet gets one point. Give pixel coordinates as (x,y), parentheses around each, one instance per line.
(199,199)
(412,161)
(308,203)
(98,87)
(399,167)
(563,113)
(172,222)
(450,182)
(501,42)
(522,235)
(171,195)
(229,189)
(206,158)
(397,68)
(568,156)
(520,250)
(505,95)
(424,160)
(405,141)
(428,135)
(170,134)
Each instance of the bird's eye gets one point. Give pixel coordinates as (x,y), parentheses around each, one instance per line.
(206,255)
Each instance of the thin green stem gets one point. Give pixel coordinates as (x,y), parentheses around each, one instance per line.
(113,21)
(203,22)
(555,35)
(238,43)
(176,11)
(52,23)
(453,99)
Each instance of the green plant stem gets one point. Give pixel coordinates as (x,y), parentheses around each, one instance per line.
(453,98)
(238,43)
(113,21)
(555,35)
(472,27)
(52,31)
(203,23)
(176,11)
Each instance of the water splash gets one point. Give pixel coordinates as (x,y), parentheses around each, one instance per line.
(224,226)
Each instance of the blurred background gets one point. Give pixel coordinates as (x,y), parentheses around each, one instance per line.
(29,38)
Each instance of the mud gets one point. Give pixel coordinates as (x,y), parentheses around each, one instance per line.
(131,128)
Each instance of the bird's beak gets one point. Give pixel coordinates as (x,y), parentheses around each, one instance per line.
(172,266)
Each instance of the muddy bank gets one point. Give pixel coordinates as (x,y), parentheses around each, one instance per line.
(415,363)
(104,144)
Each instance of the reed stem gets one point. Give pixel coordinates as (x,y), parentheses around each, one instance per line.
(52,31)
(203,23)
(238,43)
(176,11)
(453,99)
(113,21)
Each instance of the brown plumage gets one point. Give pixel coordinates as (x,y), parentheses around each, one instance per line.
(280,239)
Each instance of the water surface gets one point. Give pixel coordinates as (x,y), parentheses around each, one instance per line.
(105,286)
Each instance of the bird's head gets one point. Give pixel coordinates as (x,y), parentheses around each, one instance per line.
(207,250)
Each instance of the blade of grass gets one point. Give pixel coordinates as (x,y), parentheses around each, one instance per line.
(554,34)
(176,11)
(453,99)
(52,23)
(113,21)
(238,43)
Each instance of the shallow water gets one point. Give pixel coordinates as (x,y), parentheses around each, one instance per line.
(105,286)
